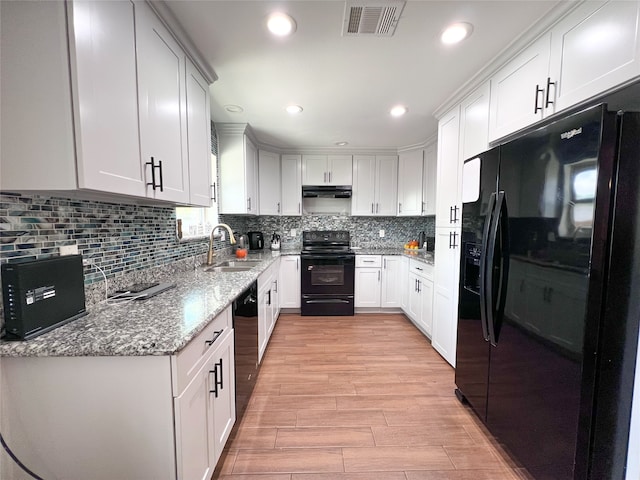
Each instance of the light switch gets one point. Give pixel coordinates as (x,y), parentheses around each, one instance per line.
(293,232)
(381,233)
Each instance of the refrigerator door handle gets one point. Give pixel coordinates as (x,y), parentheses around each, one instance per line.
(503,222)
(483,266)
(491,246)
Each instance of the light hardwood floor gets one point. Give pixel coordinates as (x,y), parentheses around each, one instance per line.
(358,398)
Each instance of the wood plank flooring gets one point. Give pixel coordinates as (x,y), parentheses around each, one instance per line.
(358,398)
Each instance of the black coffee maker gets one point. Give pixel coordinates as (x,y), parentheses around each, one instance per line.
(256,240)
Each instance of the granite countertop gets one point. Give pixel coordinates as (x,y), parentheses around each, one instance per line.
(421,255)
(161,325)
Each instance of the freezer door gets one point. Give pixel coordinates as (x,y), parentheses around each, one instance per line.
(472,352)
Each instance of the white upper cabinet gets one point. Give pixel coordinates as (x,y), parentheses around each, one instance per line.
(474,123)
(326,170)
(238,169)
(448,201)
(291,191)
(269,182)
(162,100)
(374,185)
(115,97)
(429,175)
(198,138)
(518,90)
(594,48)
(410,183)
(105,81)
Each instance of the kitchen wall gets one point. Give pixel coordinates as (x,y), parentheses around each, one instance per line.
(364,230)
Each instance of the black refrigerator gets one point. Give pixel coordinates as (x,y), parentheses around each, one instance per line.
(548,315)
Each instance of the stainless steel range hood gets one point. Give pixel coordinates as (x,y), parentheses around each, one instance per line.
(324,191)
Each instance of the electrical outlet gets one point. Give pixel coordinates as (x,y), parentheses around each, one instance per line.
(69,250)
(293,232)
(381,233)
(223,237)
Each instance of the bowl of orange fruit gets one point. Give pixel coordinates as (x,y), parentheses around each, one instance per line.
(412,246)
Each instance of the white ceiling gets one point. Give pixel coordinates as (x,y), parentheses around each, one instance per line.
(346,85)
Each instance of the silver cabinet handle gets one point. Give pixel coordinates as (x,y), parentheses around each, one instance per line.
(330,176)
(213,191)
(384,263)
(378,275)
(377,207)
(278,207)
(368,261)
(400,208)
(372,208)
(325,177)
(297,267)
(299,208)
(424,206)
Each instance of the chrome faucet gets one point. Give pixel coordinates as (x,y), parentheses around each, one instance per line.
(232,240)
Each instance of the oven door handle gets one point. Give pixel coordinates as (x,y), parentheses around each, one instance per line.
(328,257)
(327,300)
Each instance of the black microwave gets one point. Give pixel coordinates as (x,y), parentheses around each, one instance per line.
(41,295)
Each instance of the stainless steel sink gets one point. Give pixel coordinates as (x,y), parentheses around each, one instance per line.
(239,263)
(228,269)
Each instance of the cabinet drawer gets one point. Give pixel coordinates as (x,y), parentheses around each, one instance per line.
(421,269)
(368,261)
(186,363)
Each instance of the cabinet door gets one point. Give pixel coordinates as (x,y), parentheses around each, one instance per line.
(340,168)
(474,123)
(448,202)
(194,429)
(367,287)
(426,305)
(429,189)
(289,285)
(445,293)
(222,402)
(386,185)
(269,180)
(414,304)
(364,182)
(410,175)
(251,176)
(264,319)
(404,283)
(108,146)
(162,95)
(518,90)
(291,185)
(314,170)
(391,293)
(596,47)
(198,137)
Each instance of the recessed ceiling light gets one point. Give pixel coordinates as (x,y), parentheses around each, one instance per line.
(294,109)
(234,108)
(281,24)
(456,33)
(342,144)
(398,111)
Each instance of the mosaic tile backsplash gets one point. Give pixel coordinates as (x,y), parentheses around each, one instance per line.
(364,230)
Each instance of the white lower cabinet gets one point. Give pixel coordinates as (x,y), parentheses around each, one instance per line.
(289,284)
(420,296)
(137,417)
(205,413)
(391,287)
(268,306)
(404,283)
(368,278)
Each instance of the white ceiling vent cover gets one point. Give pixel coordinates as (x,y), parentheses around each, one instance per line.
(378,18)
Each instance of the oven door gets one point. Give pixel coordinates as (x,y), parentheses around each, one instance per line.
(328,274)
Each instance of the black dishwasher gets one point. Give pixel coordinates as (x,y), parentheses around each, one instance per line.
(245,325)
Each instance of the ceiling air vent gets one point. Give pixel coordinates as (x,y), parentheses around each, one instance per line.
(379,18)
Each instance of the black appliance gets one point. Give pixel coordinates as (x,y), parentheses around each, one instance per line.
(548,322)
(256,240)
(245,325)
(326,191)
(328,273)
(41,295)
